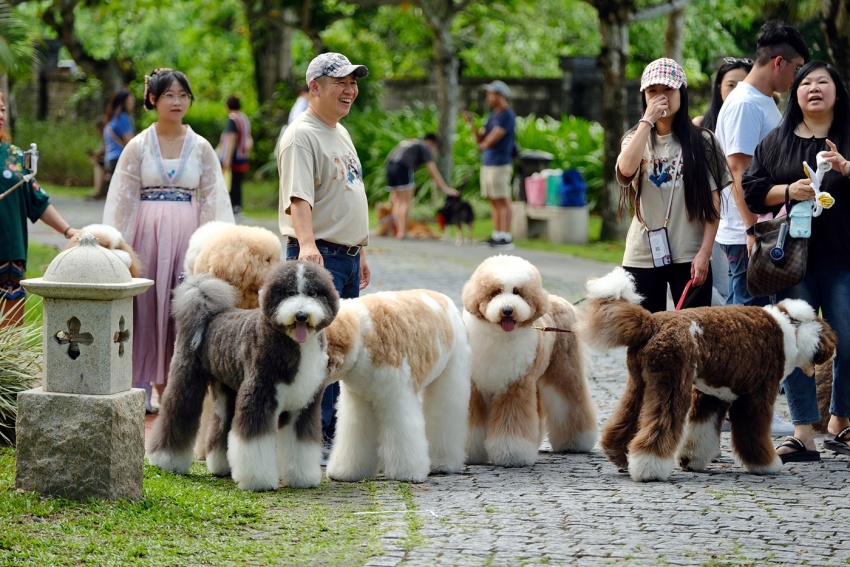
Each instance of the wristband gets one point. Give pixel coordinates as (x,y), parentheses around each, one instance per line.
(65,233)
(648,121)
(752,230)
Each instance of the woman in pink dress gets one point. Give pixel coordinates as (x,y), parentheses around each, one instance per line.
(167,182)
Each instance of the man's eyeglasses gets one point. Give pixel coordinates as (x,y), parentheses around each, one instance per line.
(731,60)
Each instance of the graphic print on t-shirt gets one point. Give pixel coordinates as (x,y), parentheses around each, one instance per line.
(348,168)
(661,171)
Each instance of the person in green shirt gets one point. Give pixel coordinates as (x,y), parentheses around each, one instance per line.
(27,201)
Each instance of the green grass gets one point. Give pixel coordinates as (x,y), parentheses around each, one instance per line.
(190,520)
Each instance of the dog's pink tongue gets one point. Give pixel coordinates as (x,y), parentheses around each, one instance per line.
(508,324)
(300,331)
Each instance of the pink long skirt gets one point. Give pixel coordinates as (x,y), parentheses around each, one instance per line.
(161,239)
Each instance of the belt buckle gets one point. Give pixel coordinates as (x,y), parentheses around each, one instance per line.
(355,250)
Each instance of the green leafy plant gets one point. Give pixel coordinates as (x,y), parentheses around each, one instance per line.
(20,365)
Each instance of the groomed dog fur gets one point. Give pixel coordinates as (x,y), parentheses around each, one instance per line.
(110,237)
(731,357)
(267,368)
(525,382)
(402,359)
(240,255)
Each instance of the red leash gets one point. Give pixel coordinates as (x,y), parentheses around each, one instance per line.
(686,299)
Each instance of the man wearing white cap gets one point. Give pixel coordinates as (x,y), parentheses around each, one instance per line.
(323,208)
(496,142)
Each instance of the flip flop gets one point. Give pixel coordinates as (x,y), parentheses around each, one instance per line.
(839,444)
(800,453)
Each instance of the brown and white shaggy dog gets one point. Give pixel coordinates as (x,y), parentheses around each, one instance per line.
(267,368)
(525,382)
(110,237)
(240,255)
(734,357)
(402,359)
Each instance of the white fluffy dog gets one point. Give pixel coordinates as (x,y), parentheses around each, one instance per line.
(403,362)
(110,237)
(525,381)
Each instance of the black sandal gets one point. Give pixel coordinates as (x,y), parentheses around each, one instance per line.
(839,444)
(800,453)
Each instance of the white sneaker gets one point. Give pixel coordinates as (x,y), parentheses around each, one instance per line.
(780,428)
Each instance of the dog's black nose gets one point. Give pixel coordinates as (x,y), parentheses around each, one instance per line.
(300,316)
(507,311)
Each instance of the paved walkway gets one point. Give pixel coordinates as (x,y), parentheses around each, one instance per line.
(577,509)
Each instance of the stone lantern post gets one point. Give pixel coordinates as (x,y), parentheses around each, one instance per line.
(82,433)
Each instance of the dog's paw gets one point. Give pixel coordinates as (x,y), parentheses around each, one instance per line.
(170,461)
(773,467)
(217,462)
(645,467)
(511,452)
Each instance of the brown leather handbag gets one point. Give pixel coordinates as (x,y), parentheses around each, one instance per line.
(777,261)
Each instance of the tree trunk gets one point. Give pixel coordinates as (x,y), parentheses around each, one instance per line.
(836,28)
(674,38)
(613,27)
(446,71)
(270,49)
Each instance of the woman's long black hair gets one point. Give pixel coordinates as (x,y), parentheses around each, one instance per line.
(709,119)
(839,131)
(699,151)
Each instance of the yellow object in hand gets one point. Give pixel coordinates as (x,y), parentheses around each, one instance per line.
(825,200)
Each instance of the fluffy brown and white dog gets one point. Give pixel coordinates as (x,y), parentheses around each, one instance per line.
(110,237)
(402,359)
(267,368)
(525,382)
(238,254)
(734,357)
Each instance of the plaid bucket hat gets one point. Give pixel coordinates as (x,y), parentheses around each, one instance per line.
(334,65)
(663,72)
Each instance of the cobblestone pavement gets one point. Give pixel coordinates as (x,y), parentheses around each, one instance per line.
(578,509)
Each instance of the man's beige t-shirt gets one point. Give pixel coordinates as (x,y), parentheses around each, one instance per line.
(319,164)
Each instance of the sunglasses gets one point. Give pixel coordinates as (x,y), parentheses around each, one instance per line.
(731,60)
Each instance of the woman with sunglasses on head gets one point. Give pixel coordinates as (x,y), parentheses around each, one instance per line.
(817,120)
(673,172)
(167,182)
(732,72)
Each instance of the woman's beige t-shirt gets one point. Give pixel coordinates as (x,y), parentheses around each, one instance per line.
(657,173)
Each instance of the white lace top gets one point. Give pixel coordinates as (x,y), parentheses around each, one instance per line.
(141,166)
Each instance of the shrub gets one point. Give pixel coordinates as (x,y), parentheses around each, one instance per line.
(20,365)
(64,149)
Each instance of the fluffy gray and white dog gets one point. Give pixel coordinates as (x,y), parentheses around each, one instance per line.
(267,369)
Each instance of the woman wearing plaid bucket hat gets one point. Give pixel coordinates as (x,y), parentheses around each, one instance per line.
(671,172)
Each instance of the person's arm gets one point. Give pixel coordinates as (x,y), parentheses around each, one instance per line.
(54,220)
(228,143)
(435,174)
(478,133)
(632,154)
(738,163)
(496,134)
(365,272)
(302,221)
(699,265)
